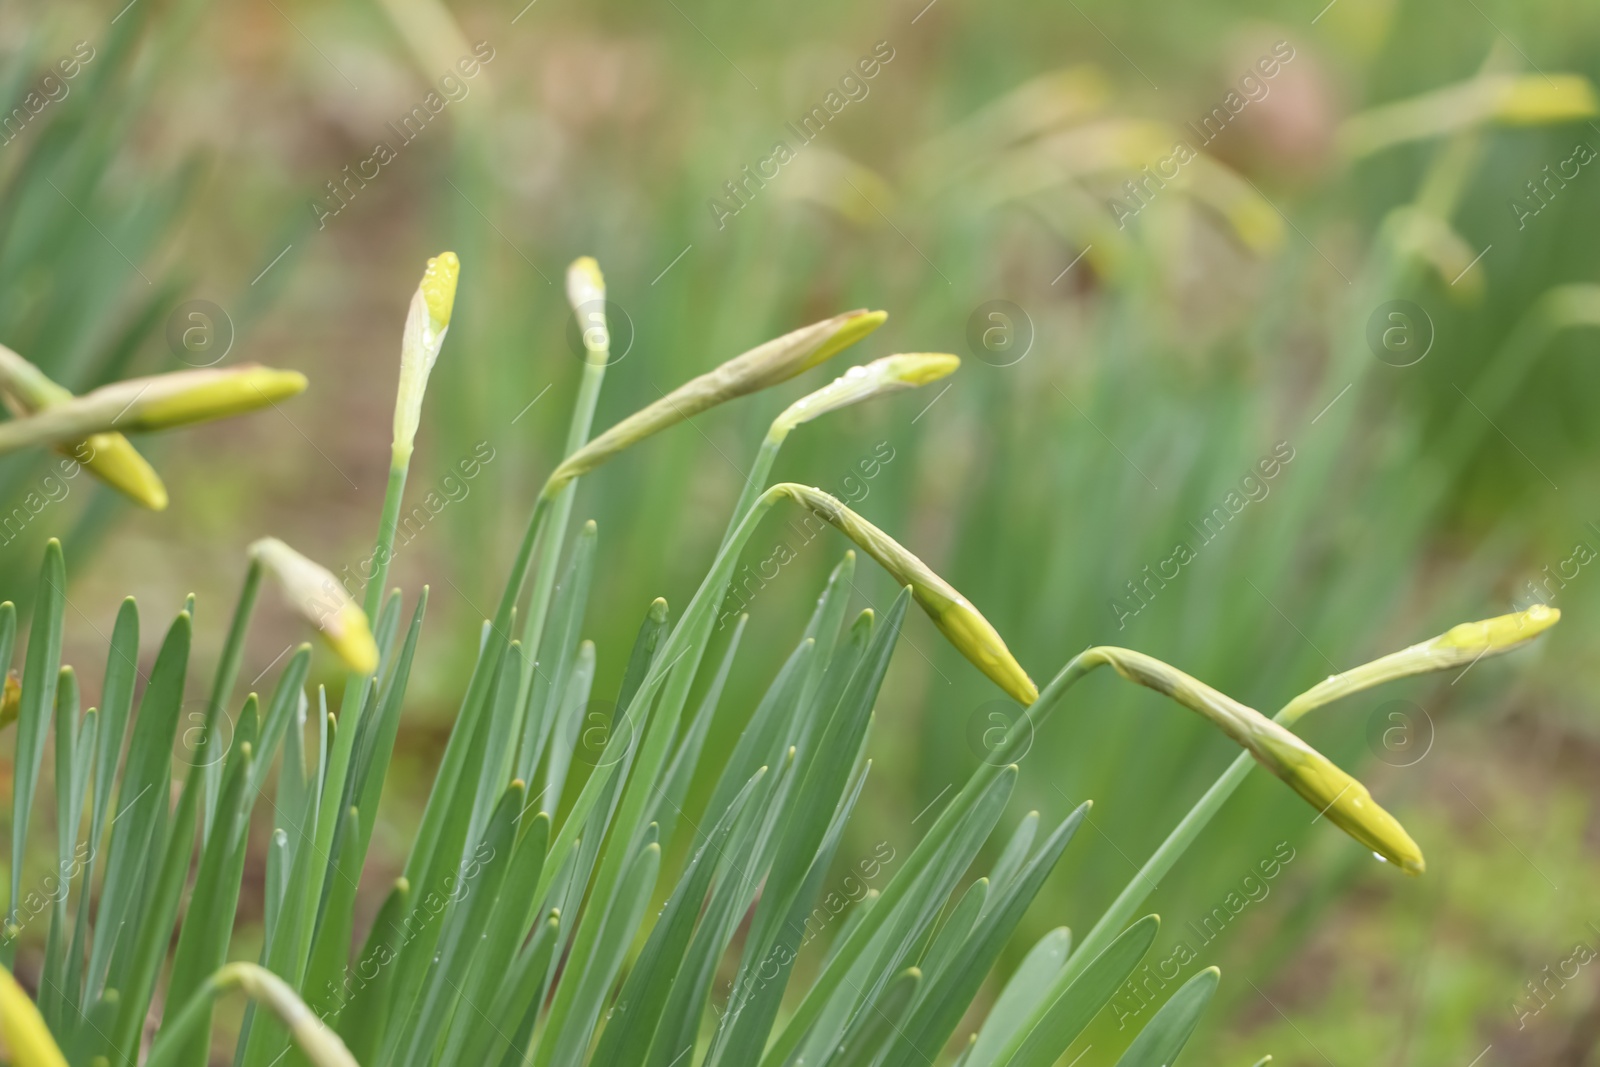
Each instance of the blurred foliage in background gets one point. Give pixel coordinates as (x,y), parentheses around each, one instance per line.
(1138,358)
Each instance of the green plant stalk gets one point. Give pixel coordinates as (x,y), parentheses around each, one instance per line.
(756,483)
(313,895)
(329,809)
(544,580)
(388,525)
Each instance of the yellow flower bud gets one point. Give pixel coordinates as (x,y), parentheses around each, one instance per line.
(961,623)
(221,393)
(427,322)
(1345,801)
(108,456)
(26,1035)
(1499,634)
(765,365)
(890,374)
(112,458)
(161,402)
(318,596)
(1460,646)
(1514,99)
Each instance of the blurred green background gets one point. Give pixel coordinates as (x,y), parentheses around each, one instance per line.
(1127,372)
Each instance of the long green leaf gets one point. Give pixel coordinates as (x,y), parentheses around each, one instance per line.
(1159,1043)
(1064,1018)
(142,801)
(39,678)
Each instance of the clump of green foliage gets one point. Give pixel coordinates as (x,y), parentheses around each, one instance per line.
(518,938)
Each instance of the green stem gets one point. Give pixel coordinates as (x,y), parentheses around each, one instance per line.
(387,527)
(756,483)
(354,698)
(594,372)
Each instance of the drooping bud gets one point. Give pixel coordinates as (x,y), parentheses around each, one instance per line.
(318,596)
(962,624)
(1331,791)
(427,321)
(776,361)
(891,374)
(108,456)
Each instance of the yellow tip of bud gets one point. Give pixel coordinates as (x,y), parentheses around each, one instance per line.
(321,600)
(890,374)
(962,624)
(218,395)
(855,327)
(1345,801)
(111,458)
(1499,633)
(1531,100)
(920,368)
(439,287)
(585,283)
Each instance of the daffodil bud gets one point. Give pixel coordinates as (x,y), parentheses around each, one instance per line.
(776,361)
(162,402)
(891,374)
(112,458)
(1337,795)
(956,618)
(1459,646)
(1345,801)
(108,456)
(319,597)
(1514,99)
(27,1038)
(427,321)
(586,292)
